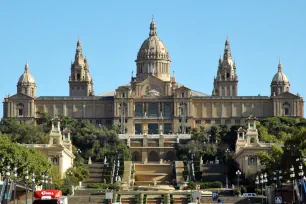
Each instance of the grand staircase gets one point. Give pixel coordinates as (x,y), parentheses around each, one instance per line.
(146,174)
(96,173)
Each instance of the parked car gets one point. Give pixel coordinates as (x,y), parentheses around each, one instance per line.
(249,195)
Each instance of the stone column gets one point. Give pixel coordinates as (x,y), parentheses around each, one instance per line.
(61,165)
(168,198)
(141,197)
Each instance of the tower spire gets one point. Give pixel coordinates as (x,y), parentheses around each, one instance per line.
(280,66)
(227,50)
(153,27)
(26,67)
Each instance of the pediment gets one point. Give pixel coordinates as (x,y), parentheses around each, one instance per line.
(152,87)
(20,96)
(287,95)
(183,88)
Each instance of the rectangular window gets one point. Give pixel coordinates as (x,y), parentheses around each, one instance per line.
(167,112)
(207,121)
(198,122)
(138,128)
(237,122)
(98,122)
(227,122)
(252,160)
(218,122)
(153,110)
(167,128)
(108,122)
(138,109)
(153,128)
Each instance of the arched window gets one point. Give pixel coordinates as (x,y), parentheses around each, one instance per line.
(286,107)
(20,107)
(78,76)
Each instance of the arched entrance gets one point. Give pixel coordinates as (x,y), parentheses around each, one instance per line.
(170,156)
(153,156)
(136,156)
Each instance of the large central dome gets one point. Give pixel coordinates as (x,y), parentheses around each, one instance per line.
(153,47)
(153,57)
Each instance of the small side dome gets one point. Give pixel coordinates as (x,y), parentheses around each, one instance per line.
(280,76)
(26,77)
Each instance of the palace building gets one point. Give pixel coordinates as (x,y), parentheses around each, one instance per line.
(153,102)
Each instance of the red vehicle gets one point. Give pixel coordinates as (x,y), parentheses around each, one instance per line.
(47,197)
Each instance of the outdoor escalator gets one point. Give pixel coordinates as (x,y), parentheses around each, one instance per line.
(2,189)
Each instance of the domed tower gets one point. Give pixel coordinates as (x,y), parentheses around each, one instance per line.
(153,57)
(80,81)
(280,82)
(226,81)
(26,83)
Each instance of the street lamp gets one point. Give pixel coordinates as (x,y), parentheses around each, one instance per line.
(238,173)
(257,181)
(266,181)
(33,185)
(8,173)
(51,182)
(292,175)
(69,173)
(42,181)
(46,181)
(227,151)
(275,182)
(262,182)
(15,178)
(301,174)
(26,179)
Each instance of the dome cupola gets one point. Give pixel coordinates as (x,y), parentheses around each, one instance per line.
(26,77)
(153,57)
(26,83)
(280,82)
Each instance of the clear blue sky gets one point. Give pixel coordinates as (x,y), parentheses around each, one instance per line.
(46,32)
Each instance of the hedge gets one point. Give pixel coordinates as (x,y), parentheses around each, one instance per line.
(103,186)
(204,185)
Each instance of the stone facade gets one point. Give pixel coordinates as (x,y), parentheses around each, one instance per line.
(247,148)
(154,100)
(59,149)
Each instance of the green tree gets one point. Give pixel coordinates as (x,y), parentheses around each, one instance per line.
(25,158)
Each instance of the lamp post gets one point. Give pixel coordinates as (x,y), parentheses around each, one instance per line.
(33,185)
(262,182)
(51,182)
(238,173)
(26,179)
(266,181)
(69,173)
(275,182)
(292,175)
(8,173)
(301,174)
(280,177)
(15,179)
(227,151)
(42,181)
(257,181)
(46,181)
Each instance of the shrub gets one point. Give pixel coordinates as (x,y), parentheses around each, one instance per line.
(103,186)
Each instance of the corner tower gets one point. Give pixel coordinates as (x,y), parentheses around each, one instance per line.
(26,83)
(280,82)
(226,81)
(80,81)
(153,57)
